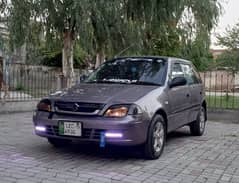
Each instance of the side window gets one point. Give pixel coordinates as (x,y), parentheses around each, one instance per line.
(197,75)
(190,74)
(177,70)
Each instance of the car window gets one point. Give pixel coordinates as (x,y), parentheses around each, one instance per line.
(130,71)
(177,71)
(197,75)
(190,74)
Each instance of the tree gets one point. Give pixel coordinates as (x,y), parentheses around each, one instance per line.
(175,27)
(202,16)
(58,20)
(105,15)
(67,21)
(2,21)
(3,4)
(230,40)
(229,59)
(107,27)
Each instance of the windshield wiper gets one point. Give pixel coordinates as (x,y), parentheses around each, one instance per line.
(146,83)
(108,81)
(124,82)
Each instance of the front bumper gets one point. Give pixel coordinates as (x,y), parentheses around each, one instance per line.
(133,128)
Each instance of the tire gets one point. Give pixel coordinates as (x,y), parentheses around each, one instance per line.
(197,128)
(153,147)
(58,142)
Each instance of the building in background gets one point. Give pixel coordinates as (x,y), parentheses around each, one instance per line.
(216,52)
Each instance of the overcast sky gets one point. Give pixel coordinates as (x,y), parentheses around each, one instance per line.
(229,18)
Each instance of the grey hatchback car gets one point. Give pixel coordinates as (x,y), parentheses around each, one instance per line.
(127,101)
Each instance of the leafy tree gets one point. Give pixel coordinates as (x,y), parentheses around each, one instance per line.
(100,28)
(63,22)
(229,59)
(3,39)
(175,27)
(104,17)
(3,4)
(59,20)
(230,40)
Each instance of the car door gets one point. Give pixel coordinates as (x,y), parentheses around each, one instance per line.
(196,90)
(179,100)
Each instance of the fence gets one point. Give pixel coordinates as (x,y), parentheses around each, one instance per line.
(27,82)
(222,89)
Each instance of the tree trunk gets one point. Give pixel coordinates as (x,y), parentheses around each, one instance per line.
(100,58)
(67,58)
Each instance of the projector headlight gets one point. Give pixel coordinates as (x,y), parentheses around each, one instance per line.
(44,105)
(117,111)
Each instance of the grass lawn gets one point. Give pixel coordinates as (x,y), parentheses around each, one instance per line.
(230,102)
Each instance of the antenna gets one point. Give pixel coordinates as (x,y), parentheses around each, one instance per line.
(124,50)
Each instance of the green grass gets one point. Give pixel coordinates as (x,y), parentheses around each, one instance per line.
(224,102)
(19,87)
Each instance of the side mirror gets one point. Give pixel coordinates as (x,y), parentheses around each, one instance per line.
(178,81)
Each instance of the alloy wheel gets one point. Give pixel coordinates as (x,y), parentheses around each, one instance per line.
(158,137)
(202,120)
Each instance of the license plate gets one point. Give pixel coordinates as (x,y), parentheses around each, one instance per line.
(70,128)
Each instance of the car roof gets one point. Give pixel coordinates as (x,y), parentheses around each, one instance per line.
(169,59)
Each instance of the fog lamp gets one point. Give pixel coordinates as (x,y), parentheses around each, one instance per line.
(40,128)
(113,135)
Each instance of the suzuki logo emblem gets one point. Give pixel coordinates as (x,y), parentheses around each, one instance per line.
(75,107)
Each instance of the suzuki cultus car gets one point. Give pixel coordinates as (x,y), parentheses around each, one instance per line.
(127,101)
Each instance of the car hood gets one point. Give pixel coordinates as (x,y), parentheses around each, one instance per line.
(104,93)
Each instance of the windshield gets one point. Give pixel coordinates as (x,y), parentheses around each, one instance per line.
(130,71)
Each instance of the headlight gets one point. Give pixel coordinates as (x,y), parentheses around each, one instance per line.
(117,111)
(44,105)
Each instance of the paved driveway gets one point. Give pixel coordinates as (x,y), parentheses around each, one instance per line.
(25,157)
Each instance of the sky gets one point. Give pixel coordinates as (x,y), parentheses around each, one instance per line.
(229,18)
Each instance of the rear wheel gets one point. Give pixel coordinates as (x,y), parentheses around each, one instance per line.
(58,142)
(197,127)
(154,145)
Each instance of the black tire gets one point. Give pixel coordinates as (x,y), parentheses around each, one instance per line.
(197,128)
(58,142)
(150,151)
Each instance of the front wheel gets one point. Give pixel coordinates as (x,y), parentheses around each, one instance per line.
(197,128)
(154,145)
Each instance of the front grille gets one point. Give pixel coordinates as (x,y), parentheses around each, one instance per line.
(87,133)
(78,107)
